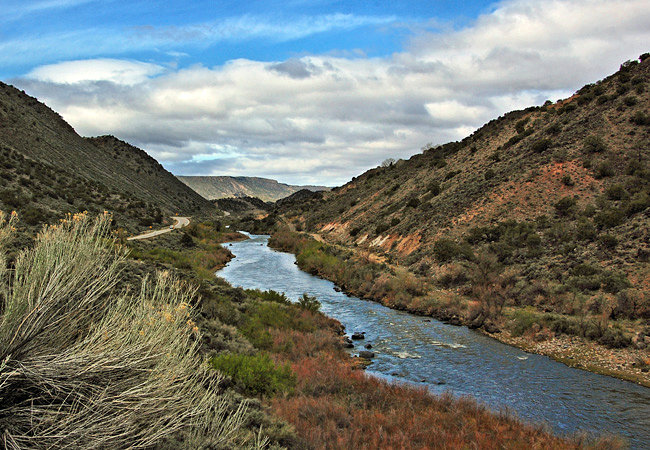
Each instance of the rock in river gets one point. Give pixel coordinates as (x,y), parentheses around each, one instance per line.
(366,354)
(357,336)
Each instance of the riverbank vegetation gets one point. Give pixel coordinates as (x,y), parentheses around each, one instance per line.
(481,292)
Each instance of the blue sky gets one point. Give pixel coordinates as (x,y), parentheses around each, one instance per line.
(211,33)
(306,92)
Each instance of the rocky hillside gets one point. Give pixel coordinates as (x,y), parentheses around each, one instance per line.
(216,187)
(550,203)
(47,170)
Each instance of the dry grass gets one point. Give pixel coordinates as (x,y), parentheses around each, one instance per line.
(85,367)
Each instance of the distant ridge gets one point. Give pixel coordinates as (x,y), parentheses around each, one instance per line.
(216,187)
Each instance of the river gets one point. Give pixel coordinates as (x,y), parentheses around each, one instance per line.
(444,357)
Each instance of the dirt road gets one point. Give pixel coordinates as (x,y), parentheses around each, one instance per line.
(180,223)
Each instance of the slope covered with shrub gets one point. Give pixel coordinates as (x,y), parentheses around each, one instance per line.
(47,170)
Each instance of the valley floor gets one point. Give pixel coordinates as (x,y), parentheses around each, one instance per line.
(306,391)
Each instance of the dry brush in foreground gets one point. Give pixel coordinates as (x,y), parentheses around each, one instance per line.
(84,366)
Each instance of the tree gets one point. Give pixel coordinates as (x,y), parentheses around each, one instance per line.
(388,162)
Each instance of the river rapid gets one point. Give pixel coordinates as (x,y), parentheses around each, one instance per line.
(444,357)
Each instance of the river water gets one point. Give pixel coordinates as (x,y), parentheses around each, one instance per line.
(444,357)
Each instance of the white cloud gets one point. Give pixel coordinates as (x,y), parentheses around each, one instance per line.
(323,119)
(111,70)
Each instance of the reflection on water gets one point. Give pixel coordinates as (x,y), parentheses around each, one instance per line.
(449,358)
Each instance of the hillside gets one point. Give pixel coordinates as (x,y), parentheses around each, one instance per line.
(48,169)
(537,223)
(216,187)
(243,206)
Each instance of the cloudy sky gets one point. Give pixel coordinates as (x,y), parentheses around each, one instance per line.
(305,91)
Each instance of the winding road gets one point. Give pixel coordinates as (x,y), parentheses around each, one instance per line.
(180,223)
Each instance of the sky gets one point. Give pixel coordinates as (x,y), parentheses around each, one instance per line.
(306,91)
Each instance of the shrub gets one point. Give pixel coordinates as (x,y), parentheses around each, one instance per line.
(614,282)
(609,218)
(616,192)
(34,215)
(604,170)
(638,203)
(489,174)
(554,129)
(608,242)
(434,188)
(585,231)
(565,206)
(381,228)
(541,145)
(451,174)
(86,367)
(256,374)
(640,118)
(414,202)
(309,303)
(630,100)
(613,338)
(187,241)
(584,270)
(354,231)
(594,144)
(567,180)
(523,320)
(270,296)
(445,250)
(520,126)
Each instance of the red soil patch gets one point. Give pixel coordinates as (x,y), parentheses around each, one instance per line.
(523,200)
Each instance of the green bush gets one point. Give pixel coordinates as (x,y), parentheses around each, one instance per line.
(414,202)
(382,227)
(523,320)
(542,145)
(585,231)
(614,282)
(640,118)
(309,303)
(616,192)
(489,174)
(256,374)
(594,144)
(447,250)
(565,206)
(34,215)
(613,338)
(269,296)
(604,170)
(609,218)
(608,241)
(434,188)
(567,180)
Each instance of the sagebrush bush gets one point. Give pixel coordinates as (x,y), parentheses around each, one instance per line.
(83,366)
